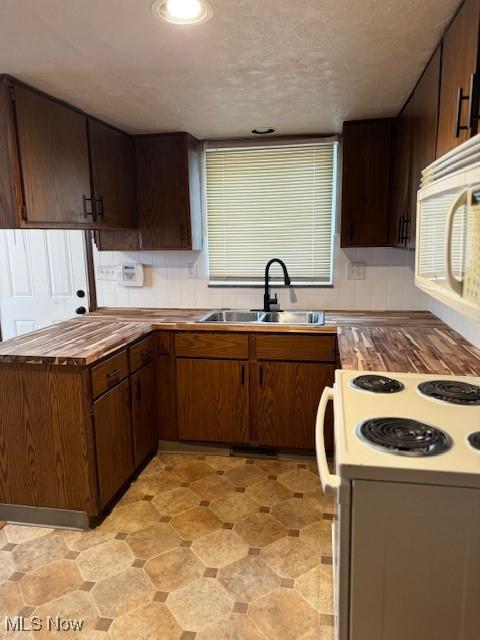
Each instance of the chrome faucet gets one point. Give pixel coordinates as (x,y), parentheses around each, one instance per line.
(267,300)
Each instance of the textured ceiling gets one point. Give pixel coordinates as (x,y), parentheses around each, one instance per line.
(300,66)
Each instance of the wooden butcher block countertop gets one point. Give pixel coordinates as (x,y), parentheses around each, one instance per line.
(402,341)
(73,342)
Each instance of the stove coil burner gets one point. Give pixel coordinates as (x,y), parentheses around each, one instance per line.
(404,436)
(377,384)
(474,440)
(452,391)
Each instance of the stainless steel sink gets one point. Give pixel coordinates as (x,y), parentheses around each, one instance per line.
(233,317)
(260,317)
(295,317)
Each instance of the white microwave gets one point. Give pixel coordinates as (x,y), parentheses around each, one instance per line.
(447,265)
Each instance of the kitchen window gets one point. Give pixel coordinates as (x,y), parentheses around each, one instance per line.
(271,201)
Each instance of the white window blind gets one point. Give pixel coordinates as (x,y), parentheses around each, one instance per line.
(271,202)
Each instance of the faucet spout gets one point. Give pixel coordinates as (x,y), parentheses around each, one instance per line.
(268,301)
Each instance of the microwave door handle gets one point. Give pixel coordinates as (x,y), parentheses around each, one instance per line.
(330,482)
(455,284)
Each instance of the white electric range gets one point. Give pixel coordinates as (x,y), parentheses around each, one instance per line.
(407,485)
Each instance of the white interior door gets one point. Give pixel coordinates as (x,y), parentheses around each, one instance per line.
(43,275)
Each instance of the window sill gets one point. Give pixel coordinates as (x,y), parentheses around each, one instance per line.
(273,285)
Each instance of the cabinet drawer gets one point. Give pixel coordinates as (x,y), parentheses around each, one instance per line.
(109,373)
(211,345)
(141,353)
(296,347)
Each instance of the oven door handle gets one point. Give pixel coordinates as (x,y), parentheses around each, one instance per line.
(455,284)
(330,482)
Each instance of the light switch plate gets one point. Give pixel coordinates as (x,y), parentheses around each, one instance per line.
(109,272)
(356,270)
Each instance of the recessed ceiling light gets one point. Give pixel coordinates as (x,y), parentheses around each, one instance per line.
(182,11)
(263,131)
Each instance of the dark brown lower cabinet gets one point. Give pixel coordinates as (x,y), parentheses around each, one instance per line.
(259,389)
(114,441)
(287,397)
(212,400)
(144,411)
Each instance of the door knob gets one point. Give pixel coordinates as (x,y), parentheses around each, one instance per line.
(80,310)
(81,293)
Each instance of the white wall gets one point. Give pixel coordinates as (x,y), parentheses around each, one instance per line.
(467,327)
(389,283)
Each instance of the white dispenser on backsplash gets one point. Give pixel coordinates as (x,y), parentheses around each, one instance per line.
(131,275)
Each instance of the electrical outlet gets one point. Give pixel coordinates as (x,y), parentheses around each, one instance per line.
(108,272)
(356,270)
(190,270)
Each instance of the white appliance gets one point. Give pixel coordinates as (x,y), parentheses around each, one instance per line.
(448,229)
(407,487)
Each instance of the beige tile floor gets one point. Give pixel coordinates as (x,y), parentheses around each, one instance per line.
(201,546)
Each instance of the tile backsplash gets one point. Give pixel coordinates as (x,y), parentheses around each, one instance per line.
(180,279)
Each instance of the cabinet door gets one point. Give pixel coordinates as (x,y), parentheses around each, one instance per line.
(424,120)
(401,179)
(414,149)
(113,173)
(163,191)
(54,160)
(459,63)
(365,182)
(114,443)
(168,196)
(212,400)
(166,386)
(144,403)
(287,397)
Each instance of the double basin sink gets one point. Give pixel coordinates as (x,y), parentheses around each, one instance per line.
(263,317)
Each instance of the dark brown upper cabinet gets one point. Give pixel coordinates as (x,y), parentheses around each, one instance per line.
(44,161)
(168,196)
(53,150)
(460,81)
(168,183)
(400,182)
(365,184)
(441,113)
(58,167)
(424,124)
(113,175)
(414,149)
(128,240)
